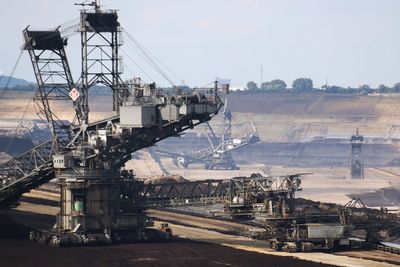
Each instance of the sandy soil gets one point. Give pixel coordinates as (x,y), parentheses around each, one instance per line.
(16,250)
(279,117)
(197,232)
(144,167)
(176,253)
(203,223)
(247,244)
(213,231)
(41,209)
(20,106)
(333,184)
(197,172)
(196,229)
(322,184)
(43,195)
(372,255)
(297,117)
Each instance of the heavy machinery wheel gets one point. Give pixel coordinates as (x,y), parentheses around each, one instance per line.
(285,248)
(289,247)
(42,240)
(274,245)
(32,236)
(306,247)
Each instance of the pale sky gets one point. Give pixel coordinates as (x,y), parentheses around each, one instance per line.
(348,42)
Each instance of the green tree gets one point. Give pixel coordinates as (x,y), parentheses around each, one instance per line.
(274,85)
(302,84)
(278,85)
(265,86)
(396,88)
(334,89)
(364,87)
(383,89)
(252,86)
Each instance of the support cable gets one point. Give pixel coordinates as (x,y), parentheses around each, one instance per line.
(147,57)
(140,50)
(140,54)
(137,65)
(11,75)
(2,97)
(156,58)
(19,123)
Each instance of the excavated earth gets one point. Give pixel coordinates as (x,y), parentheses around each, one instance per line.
(16,250)
(198,242)
(299,133)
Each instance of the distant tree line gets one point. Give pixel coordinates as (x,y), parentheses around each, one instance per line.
(300,84)
(306,85)
(21,88)
(277,85)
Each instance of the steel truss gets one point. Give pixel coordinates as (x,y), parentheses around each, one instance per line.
(82,141)
(35,167)
(100,34)
(197,191)
(253,189)
(25,172)
(54,80)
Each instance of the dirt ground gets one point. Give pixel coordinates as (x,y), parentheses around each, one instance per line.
(145,166)
(314,185)
(33,213)
(208,230)
(333,185)
(279,118)
(16,250)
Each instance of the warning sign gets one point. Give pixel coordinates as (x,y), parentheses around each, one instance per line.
(74,94)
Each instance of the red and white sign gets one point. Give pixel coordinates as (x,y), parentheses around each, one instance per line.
(74,94)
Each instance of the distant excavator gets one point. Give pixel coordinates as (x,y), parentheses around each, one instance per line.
(218,155)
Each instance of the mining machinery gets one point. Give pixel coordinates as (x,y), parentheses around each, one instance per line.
(269,203)
(100,203)
(273,196)
(218,154)
(374,224)
(357,157)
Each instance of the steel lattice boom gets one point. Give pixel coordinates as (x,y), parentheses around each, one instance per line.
(238,190)
(98,200)
(23,173)
(54,80)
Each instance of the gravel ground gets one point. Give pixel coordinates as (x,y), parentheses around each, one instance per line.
(16,250)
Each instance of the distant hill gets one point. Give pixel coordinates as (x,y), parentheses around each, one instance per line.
(21,85)
(13,82)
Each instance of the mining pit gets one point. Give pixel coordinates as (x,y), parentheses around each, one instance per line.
(299,132)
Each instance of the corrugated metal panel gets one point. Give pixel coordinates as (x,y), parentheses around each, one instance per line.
(138,116)
(325,231)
